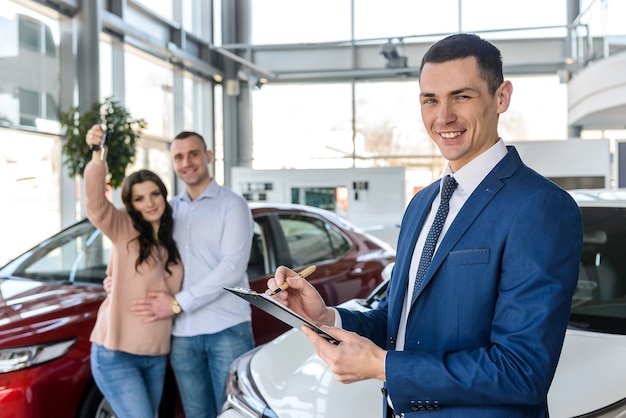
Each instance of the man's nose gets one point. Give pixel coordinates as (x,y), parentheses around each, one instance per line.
(446,113)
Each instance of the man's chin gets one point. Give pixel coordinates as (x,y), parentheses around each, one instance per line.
(191,181)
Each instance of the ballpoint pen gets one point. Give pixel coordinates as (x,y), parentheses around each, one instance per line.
(303,274)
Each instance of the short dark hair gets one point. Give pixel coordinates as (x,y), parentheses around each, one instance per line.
(464,45)
(187,134)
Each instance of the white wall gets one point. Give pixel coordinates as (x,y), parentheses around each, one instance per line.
(571,158)
(382,204)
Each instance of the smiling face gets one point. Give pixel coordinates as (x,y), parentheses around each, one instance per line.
(191,160)
(458,112)
(147,199)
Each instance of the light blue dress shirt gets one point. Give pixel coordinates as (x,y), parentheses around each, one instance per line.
(214,234)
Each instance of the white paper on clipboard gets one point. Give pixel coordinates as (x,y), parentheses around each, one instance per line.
(278,310)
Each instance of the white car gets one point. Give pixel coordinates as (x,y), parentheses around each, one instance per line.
(285,378)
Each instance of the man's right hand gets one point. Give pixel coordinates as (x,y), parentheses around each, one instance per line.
(301,297)
(107,283)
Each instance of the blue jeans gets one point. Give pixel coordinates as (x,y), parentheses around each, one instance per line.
(201,364)
(133,384)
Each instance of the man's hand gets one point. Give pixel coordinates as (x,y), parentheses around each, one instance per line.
(301,297)
(356,358)
(107,283)
(156,306)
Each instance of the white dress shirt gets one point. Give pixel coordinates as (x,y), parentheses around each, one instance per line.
(468,178)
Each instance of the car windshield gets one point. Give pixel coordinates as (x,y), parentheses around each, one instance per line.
(599,303)
(78,254)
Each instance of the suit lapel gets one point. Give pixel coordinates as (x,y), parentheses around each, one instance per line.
(472,208)
(412,223)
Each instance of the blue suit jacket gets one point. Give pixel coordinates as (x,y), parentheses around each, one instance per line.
(485,333)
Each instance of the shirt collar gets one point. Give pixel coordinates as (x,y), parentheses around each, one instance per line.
(472,173)
(209,192)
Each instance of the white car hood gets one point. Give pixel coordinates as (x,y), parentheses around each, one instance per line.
(590,374)
(298,384)
(295,382)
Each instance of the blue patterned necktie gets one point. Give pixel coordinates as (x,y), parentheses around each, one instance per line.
(449,184)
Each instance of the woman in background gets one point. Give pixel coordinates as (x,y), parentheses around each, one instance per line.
(128,355)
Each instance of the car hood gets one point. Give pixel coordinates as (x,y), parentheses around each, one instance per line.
(295,382)
(590,374)
(29,308)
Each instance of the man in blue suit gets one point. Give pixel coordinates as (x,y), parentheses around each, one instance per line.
(479,331)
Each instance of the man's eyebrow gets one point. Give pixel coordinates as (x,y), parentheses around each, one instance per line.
(453,92)
(463,90)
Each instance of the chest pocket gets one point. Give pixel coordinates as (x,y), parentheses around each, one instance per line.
(469,256)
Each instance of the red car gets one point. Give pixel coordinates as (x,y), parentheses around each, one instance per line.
(49,297)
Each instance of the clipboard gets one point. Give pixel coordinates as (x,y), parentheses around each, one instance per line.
(278,310)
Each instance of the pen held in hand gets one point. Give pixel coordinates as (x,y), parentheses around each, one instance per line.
(303,274)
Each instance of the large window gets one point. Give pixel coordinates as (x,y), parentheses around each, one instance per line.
(288,21)
(30,163)
(28,68)
(304,125)
(401,18)
(538,109)
(149,92)
(320,126)
(389,129)
(519,14)
(161,7)
(29,180)
(302,20)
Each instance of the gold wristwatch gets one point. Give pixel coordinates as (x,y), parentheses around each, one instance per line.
(176,307)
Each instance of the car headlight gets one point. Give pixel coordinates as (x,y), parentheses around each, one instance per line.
(12,359)
(242,394)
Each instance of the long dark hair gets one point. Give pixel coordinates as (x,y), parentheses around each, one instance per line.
(146,240)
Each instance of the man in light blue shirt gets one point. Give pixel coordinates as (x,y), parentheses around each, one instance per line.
(213,229)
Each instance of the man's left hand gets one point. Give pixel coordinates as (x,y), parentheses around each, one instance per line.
(355,358)
(156,306)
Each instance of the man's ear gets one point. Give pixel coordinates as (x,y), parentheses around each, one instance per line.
(503,95)
(209,156)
